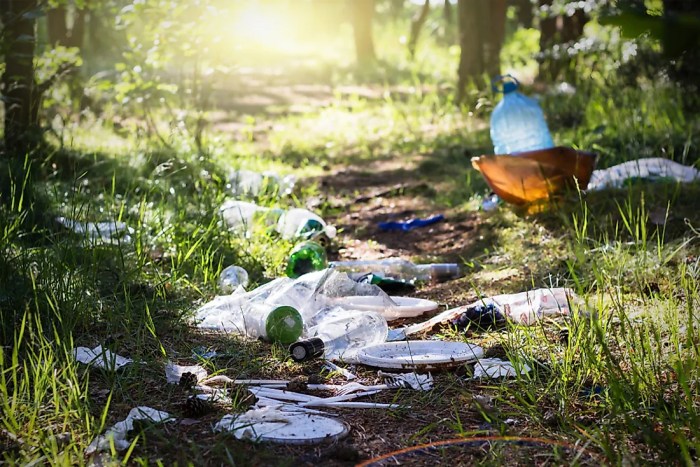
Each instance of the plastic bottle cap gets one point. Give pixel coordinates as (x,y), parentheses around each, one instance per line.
(284,324)
(306,349)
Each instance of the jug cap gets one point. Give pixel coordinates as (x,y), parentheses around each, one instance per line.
(508,84)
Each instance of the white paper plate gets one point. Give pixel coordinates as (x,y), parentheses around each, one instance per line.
(408,307)
(300,429)
(419,355)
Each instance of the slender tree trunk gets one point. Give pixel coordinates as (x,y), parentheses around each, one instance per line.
(558,30)
(395,7)
(416,26)
(57,29)
(494,37)
(59,34)
(363,15)
(447,13)
(76,38)
(525,13)
(18,79)
(471,63)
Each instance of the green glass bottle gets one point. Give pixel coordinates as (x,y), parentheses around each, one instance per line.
(306,257)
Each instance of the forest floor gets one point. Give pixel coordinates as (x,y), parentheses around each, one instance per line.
(615,384)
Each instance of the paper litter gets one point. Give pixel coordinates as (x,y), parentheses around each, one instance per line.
(118,433)
(100,358)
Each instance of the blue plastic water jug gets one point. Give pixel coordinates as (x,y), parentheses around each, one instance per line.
(517,122)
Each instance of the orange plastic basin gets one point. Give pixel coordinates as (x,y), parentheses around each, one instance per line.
(535,175)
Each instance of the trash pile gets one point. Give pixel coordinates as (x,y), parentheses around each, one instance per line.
(328,316)
(341,313)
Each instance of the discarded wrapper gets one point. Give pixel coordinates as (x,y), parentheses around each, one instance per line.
(117,433)
(100,358)
(495,368)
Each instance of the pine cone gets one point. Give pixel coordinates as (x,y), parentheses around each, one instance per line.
(297,384)
(188,380)
(195,407)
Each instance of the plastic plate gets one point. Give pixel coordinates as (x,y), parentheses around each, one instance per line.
(301,429)
(419,355)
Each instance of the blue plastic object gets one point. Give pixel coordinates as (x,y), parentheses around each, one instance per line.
(517,122)
(410,225)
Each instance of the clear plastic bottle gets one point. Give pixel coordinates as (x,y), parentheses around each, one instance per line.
(243,216)
(402,269)
(291,224)
(250,314)
(249,183)
(517,122)
(276,323)
(231,277)
(302,223)
(340,335)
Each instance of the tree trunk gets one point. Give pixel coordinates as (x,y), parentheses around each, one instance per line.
(447,13)
(363,14)
(525,13)
(59,34)
(395,8)
(18,79)
(57,29)
(558,30)
(416,25)
(494,37)
(471,63)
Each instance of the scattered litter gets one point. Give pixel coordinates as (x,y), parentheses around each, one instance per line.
(306,257)
(517,121)
(408,380)
(387,284)
(495,368)
(419,355)
(245,217)
(232,277)
(651,169)
(276,426)
(406,307)
(333,367)
(204,353)
(396,268)
(524,308)
(174,372)
(108,232)
(286,306)
(339,334)
(100,358)
(118,433)
(412,224)
(490,202)
(535,175)
(244,182)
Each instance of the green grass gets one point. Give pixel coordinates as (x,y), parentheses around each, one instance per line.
(620,378)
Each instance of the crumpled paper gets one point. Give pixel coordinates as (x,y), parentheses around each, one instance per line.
(117,433)
(108,232)
(244,426)
(495,368)
(173,372)
(101,358)
(408,380)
